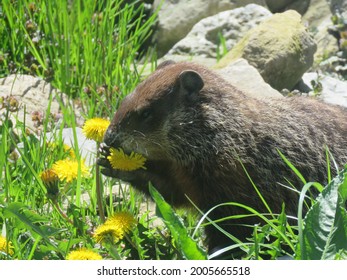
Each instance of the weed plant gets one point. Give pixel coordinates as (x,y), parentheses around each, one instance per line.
(90,51)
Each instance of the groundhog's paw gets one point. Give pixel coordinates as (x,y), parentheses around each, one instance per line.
(107,171)
(127,176)
(104,150)
(106,168)
(104,162)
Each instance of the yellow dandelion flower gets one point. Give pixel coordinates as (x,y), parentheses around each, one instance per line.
(67,169)
(120,160)
(83,254)
(5,246)
(95,128)
(123,221)
(115,227)
(107,232)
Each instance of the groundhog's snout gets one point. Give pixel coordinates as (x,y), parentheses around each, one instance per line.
(110,138)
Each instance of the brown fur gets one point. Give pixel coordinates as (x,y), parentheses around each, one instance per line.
(194,139)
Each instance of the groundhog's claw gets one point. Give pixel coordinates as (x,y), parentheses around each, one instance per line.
(104,150)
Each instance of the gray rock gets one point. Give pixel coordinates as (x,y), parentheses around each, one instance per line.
(177,17)
(340,5)
(317,12)
(332,90)
(277,6)
(246,78)
(206,61)
(318,18)
(280,48)
(33,95)
(231,25)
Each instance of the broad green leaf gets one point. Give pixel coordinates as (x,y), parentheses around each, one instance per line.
(30,219)
(186,244)
(21,211)
(325,230)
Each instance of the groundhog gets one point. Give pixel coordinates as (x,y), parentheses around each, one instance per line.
(201,134)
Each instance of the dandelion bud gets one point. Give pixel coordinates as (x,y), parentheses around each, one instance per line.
(50,180)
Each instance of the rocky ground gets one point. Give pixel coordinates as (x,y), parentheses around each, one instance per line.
(291,51)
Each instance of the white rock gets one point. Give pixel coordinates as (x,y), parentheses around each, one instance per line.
(334,91)
(247,78)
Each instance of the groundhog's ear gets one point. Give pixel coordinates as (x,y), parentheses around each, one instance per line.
(165,63)
(191,81)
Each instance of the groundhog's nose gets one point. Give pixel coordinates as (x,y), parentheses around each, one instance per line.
(110,137)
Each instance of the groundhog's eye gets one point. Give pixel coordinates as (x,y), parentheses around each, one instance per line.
(145,114)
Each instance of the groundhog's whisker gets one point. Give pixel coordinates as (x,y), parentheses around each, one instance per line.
(139,132)
(157,143)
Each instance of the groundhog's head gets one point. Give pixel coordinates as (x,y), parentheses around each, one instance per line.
(162,110)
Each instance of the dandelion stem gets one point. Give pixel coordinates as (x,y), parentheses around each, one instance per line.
(56,205)
(98,188)
(131,243)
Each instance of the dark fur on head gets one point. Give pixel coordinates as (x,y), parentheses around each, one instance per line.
(195,129)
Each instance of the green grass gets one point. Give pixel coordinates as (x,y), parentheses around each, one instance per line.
(91,51)
(87,49)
